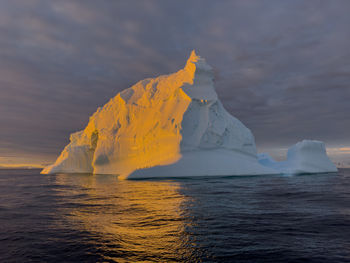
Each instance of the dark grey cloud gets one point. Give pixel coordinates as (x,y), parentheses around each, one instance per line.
(282,67)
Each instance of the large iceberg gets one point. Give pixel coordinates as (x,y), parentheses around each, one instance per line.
(305,157)
(169,126)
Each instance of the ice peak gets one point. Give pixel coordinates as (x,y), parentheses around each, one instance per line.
(193,57)
(195,63)
(200,78)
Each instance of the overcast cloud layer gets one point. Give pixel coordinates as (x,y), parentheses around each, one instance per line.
(282,67)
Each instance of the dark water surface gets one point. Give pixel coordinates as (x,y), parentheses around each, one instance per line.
(85,218)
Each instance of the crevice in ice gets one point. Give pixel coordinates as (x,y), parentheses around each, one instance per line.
(94,139)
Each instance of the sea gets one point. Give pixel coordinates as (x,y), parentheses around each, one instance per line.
(98,218)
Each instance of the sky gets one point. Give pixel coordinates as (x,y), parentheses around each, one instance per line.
(281,67)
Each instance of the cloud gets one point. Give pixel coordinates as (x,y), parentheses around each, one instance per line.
(344,149)
(282,66)
(339,150)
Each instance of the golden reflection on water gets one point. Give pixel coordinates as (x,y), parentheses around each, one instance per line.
(131,220)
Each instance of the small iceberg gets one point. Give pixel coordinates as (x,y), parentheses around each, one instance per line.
(305,157)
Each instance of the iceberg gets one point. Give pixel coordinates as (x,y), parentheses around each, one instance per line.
(176,126)
(169,126)
(305,157)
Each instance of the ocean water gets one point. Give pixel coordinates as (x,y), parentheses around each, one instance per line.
(86,218)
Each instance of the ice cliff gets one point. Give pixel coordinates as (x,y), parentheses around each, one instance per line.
(305,157)
(168,126)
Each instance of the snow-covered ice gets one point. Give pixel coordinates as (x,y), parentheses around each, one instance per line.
(169,126)
(305,157)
